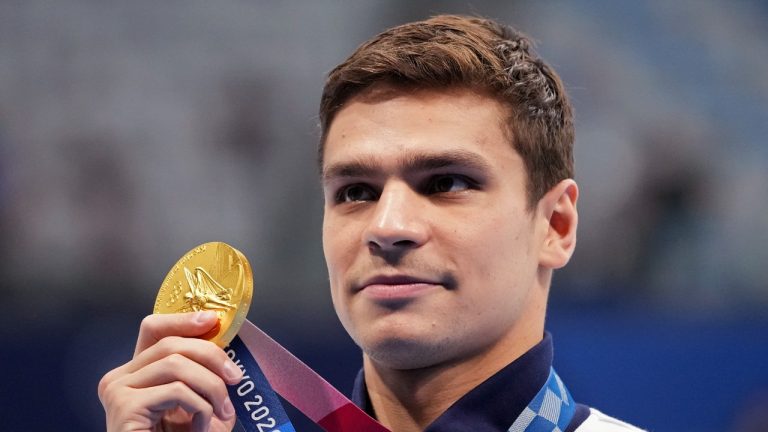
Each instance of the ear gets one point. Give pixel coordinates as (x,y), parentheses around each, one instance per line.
(557,212)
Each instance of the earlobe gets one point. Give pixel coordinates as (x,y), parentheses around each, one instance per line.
(558,208)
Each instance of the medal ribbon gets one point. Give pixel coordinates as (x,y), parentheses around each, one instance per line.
(265,362)
(551,410)
(256,404)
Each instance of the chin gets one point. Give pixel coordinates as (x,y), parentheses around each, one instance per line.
(406,353)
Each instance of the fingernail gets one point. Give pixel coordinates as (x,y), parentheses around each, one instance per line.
(232,372)
(228,410)
(204,316)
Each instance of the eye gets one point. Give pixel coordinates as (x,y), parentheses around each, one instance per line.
(449,183)
(355,192)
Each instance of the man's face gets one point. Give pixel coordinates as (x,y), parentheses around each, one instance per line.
(431,249)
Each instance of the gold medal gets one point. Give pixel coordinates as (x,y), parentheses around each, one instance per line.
(213,276)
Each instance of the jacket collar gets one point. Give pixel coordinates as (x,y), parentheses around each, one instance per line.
(495,403)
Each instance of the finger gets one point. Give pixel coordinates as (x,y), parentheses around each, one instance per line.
(203,352)
(177,368)
(157,326)
(176,394)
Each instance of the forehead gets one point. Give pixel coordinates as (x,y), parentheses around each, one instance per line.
(388,125)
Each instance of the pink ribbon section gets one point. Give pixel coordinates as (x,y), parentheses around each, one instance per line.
(303,387)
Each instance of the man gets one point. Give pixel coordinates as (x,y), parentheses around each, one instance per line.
(446,160)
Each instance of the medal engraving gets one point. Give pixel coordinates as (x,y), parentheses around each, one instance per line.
(213,276)
(205,293)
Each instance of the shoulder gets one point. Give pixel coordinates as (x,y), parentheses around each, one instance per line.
(599,422)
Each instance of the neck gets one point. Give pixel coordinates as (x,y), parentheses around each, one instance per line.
(409,400)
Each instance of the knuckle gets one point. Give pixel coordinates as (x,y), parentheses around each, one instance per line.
(177,387)
(148,324)
(108,394)
(107,385)
(168,345)
(103,384)
(175,361)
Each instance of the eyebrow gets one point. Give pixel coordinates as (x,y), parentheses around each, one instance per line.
(408,163)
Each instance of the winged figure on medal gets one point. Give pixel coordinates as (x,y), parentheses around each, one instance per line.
(205,292)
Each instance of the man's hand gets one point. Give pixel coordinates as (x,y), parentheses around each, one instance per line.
(175,382)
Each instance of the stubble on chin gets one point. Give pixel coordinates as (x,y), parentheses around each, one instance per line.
(407,353)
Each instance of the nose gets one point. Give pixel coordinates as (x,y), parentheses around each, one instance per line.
(398,222)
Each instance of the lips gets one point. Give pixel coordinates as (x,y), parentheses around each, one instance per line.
(397,280)
(398,287)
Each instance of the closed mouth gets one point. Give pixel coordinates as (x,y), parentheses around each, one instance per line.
(403,284)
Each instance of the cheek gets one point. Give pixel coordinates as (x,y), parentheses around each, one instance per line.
(490,239)
(332,261)
(496,254)
(338,248)
(330,248)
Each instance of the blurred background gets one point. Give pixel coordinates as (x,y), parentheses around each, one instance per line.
(132,131)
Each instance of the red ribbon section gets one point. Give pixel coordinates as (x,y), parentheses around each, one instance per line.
(304,388)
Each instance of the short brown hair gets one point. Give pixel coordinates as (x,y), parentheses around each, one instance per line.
(459,51)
